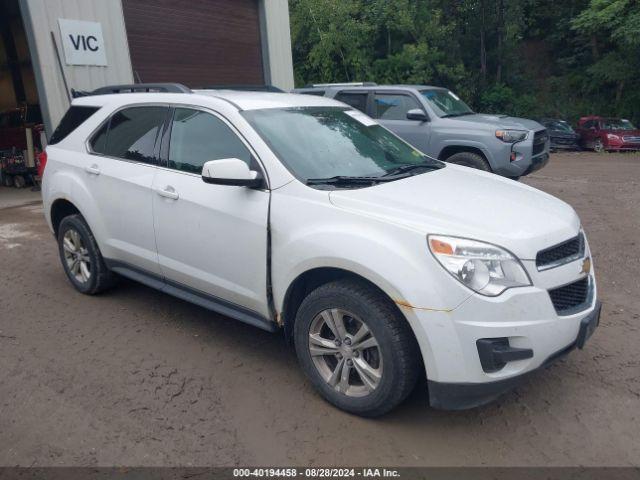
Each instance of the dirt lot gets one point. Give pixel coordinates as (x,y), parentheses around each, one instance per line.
(134,377)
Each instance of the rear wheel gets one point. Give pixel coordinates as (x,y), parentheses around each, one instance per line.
(19,181)
(7,180)
(81,257)
(356,348)
(470,159)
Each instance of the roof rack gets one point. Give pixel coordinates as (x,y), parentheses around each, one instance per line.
(135,88)
(348,84)
(245,88)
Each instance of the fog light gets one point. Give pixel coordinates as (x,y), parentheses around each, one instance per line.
(513,156)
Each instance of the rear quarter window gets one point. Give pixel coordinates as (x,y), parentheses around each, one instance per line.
(75,116)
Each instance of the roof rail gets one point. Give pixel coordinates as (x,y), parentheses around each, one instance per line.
(245,88)
(347,84)
(135,88)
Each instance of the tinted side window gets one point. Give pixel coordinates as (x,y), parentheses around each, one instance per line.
(133,134)
(393,107)
(356,100)
(99,141)
(198,137)
(74,117)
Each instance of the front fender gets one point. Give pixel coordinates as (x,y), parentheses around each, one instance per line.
(420,294)
(481,146)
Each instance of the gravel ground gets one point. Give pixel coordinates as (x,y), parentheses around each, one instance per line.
(134,377)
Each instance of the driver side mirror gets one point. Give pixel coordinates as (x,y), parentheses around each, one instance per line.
(231,172)
(417,114)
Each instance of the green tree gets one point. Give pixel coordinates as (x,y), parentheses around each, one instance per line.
(524,57)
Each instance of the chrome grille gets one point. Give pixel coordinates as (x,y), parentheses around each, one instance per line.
(631,139)
(560,254)
(570,297)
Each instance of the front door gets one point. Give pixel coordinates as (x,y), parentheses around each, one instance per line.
(210,238)
(390,109)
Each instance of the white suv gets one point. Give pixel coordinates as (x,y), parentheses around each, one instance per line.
(297,213)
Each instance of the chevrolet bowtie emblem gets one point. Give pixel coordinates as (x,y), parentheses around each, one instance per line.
(586,265)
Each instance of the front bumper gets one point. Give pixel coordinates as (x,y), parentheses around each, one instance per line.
(564,144)
(528,157)
(460,396)
(626,147)
(523,320)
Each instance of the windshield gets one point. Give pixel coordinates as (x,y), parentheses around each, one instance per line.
(326,142)
(446,103)
(617,124)
(558,126)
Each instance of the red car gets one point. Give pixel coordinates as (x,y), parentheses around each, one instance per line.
(603,134)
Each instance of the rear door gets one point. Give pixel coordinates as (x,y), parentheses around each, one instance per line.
(119,171)
(390,108)
(211,238)
(358,99)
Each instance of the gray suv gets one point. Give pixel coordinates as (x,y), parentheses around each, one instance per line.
(439,123)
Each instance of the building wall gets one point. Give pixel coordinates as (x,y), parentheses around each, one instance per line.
(271,62)
(41,18)
(276,41)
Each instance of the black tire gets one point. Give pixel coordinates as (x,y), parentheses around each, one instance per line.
(396,345)
(19,181)
(598,147)
(101,278)
(470,159)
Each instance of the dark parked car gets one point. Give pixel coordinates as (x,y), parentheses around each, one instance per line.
(562,135)
(603,134)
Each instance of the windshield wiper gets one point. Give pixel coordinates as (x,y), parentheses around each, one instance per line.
(414,166)
(345,180)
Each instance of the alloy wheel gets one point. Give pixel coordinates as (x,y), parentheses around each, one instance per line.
(76,255)
(345,352)
(599,146)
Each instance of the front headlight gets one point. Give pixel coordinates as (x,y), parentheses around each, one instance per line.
(511,136)
(484,268)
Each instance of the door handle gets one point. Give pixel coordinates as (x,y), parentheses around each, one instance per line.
(168,192)
(93,169)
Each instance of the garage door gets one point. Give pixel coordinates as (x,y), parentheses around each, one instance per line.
(195,42)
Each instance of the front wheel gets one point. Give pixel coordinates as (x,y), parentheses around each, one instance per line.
(470,159)
(19,181)
(356,348)
(598,146)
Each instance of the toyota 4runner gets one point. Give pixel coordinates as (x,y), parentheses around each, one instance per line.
(438,123)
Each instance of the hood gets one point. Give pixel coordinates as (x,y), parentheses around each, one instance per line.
(500,121)
(625,133)
(468,203)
